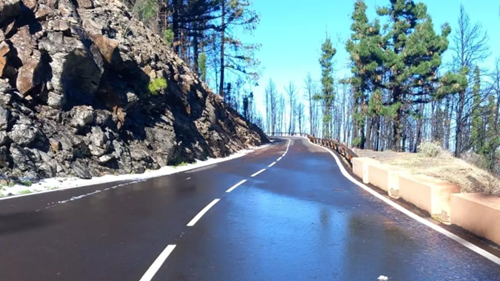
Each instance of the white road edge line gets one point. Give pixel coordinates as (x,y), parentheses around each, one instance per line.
(421,220)
(150,273)
(235,186)
(202,212)
(272,164)
(286,150)
(256,174)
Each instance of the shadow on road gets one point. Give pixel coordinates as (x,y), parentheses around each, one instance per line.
(16,222)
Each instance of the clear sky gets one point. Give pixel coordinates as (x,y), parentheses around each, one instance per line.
(291,33)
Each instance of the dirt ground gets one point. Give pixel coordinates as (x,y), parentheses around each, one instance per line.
(444,167)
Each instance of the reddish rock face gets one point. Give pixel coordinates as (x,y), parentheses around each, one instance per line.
(106,46)
(26,76)
(87,4)
(4,50)
(23,44)
(44,12)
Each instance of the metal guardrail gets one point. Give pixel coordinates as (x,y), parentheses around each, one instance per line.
(342,149)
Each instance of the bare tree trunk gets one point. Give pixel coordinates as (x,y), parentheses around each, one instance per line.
(419,130)
(222,48)
(447,124)
(175,26)
(369,124)
(459,124)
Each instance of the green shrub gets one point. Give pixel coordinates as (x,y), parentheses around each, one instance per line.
(429,149)
(25,191)
(182,164)
(157,85)
(168,36)
(356,142)
(26,183)
(145,9)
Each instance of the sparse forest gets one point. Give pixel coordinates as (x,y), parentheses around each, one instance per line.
(204,34)
(401,91)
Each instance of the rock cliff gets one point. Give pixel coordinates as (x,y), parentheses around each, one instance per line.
(82,92)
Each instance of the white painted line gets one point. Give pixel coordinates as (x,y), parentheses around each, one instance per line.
(157,263)
(288,145)
(272,164)
(236,185)
(421,220)
(256,174)
(201,213)
(279,159)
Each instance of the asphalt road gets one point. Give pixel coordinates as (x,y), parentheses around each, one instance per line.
(299,219)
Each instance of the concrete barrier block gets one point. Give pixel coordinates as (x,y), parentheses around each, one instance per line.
(429,194)
(360,167)
(379,176)
(393,181)
(386,178)
(478,213)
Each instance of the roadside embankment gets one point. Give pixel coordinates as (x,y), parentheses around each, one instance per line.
(478,213)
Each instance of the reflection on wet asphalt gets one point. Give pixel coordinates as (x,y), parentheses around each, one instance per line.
(298,220)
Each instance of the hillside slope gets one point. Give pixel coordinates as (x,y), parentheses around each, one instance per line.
(74,97)
(470,178)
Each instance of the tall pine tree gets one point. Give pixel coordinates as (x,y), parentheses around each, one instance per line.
(327,95)
(408,61)
(365,40)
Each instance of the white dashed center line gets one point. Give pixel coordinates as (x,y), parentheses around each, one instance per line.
(148,276)
(201,213)
(153,269)
(256,174)
(235,186)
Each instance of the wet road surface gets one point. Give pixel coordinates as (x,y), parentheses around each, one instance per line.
(299,219)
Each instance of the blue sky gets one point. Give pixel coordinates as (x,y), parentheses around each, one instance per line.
(291,33)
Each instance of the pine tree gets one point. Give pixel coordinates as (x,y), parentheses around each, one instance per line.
(203,34)
(327,95)
(410,59)
(364,41)
(492,141)
(234,55)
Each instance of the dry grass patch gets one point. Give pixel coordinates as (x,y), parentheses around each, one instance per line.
(444,166)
